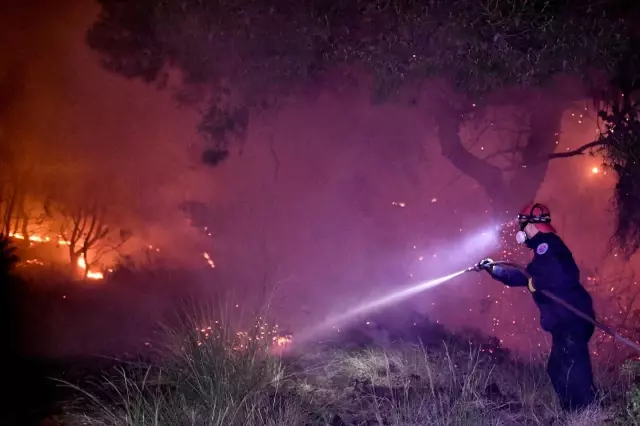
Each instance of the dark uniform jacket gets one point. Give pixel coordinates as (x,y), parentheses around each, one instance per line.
(553,269)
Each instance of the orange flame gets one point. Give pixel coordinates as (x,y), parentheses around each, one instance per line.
(91,275)
(34,238)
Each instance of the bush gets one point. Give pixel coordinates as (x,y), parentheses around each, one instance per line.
(204,375)
(630,412)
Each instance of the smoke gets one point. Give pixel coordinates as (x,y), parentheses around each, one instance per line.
(81,133)
(331,199)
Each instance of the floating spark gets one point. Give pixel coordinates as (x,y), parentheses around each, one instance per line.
(209,260)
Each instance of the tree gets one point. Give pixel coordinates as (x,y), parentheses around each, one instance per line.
(239,58)
(82,228)
(619,145)
(86,232)
(14,214)
(9,198)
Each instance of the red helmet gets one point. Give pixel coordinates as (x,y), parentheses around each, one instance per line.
(538,215)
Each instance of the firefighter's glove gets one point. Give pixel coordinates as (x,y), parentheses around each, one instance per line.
(485,264)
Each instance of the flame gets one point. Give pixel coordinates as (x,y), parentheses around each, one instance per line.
(35,238)
(91,275)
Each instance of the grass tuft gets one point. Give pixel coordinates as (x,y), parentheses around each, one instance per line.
(231,378)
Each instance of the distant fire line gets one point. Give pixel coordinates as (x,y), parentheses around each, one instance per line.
(40,239)
(35,238)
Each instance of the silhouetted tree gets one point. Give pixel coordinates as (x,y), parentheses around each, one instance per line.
(86,233)
(238,58)
(12,200)
(619,145)
(82,229)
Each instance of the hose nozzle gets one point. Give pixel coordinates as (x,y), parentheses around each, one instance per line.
(483,264)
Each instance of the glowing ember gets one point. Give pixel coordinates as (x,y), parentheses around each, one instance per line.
(34,262)
(282,340)
(209,260)
(595,170)
(261,333)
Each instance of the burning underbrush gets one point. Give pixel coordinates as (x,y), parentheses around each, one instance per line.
(44,251)
(90,255)
(418,374)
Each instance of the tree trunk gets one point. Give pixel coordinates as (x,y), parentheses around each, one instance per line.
(85,271)
(546,125)
(74,257)
(506,194)
(21,214)
(8,214)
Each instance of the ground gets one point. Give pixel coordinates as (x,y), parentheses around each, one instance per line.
(397,369)
(355,380)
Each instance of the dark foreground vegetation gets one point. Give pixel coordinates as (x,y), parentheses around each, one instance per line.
(424,376)
(196,371)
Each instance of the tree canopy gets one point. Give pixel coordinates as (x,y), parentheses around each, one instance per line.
(248,53)
(242,56)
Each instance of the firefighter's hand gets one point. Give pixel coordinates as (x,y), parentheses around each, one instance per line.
(485,264)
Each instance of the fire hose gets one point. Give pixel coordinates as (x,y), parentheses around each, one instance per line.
(561,302)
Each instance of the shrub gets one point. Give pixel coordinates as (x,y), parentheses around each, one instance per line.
(201,375)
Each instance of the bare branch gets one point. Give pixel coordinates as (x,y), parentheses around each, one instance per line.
(573,153)
(578,151)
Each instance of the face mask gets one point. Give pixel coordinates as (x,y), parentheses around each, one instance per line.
(521,237)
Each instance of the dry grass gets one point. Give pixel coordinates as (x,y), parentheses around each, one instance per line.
(212,384)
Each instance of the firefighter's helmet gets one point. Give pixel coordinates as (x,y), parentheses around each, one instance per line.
(538,215)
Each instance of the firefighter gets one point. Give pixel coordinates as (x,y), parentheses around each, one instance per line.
(554,269)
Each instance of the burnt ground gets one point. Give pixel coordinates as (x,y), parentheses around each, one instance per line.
(37,394)
(34,396)
(50,329)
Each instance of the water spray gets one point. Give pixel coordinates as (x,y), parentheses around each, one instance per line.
(473,243)
(394,297)
(560,301)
